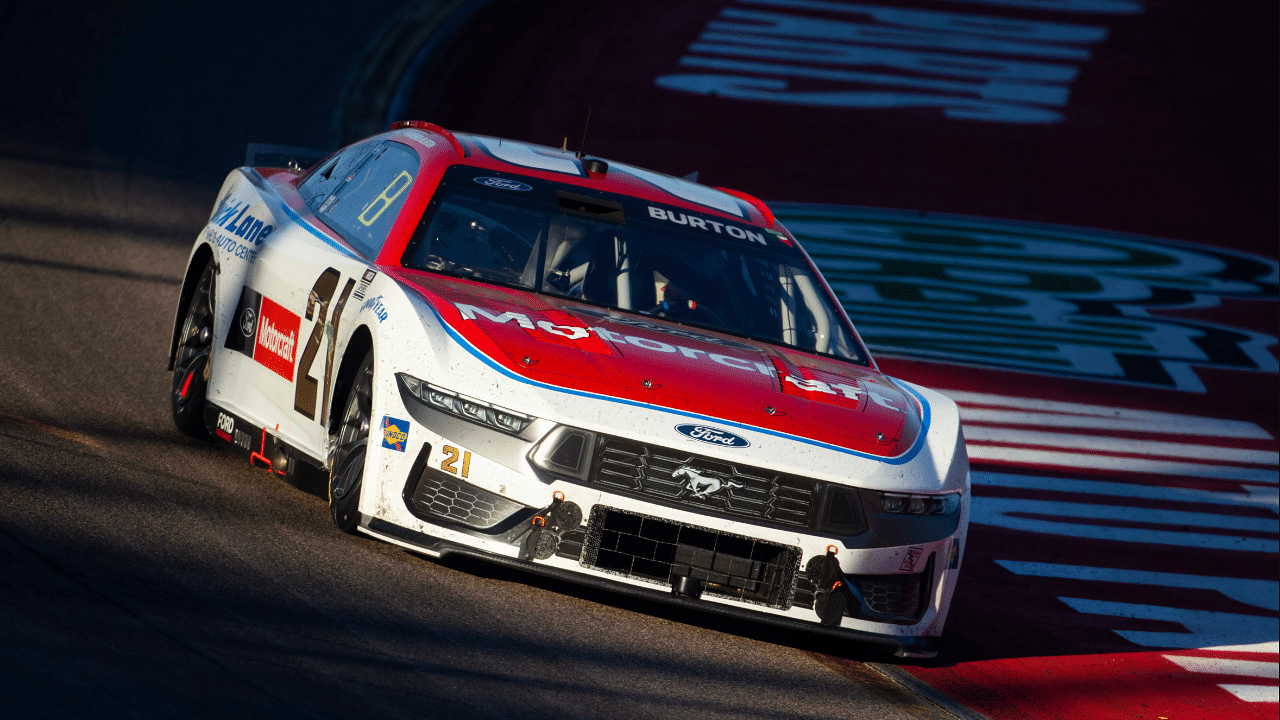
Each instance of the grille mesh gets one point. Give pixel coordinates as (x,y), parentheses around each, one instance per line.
(445,496)
(892,594)
(709,485)
(656,550)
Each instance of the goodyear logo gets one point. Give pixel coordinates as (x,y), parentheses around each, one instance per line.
(395,433)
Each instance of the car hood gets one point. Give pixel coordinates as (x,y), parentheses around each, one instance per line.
(644,359)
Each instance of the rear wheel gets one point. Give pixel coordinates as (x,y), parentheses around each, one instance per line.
(191,362)
(347,475)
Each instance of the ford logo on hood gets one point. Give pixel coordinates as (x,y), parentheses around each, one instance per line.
(715,436)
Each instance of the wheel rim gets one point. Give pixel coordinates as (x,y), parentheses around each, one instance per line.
(353,437)
(191,363)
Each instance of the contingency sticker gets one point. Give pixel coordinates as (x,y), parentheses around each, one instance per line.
(266,332)
(395,433)
(913,556)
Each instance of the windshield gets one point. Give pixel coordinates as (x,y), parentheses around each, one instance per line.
(627,254)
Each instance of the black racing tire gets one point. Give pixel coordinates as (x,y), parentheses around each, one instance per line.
(191,362)
(347,476)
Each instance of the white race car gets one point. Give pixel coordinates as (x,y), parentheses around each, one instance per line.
(578,368)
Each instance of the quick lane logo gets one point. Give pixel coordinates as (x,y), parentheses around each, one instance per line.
(233,216)
(1048,299)
(395,433)
(266,332)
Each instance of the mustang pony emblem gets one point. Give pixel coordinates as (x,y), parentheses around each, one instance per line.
(701,485)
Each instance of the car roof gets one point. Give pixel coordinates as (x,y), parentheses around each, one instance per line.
(565,166)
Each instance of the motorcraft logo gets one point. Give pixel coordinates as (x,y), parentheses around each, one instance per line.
(503,184)
(395,433)
(268,333)
(584,335)
(713,436)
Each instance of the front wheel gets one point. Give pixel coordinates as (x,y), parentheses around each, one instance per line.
(191,363)
(346,477)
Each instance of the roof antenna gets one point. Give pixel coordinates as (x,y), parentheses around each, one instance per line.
(565,146)
(585,125)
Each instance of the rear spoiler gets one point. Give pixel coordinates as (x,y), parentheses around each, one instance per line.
(294,158)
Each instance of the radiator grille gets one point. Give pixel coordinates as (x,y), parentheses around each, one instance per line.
(710,486)
(656,550)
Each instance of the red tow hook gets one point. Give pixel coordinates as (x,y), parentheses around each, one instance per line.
(254,457)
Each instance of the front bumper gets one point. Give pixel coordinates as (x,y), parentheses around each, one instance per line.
(920,647)
(465,489)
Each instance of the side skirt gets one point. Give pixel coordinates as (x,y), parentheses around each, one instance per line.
(254,442)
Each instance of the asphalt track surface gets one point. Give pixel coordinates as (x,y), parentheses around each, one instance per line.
(147,575)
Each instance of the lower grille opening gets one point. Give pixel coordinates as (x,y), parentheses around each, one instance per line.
(655,550)
(894,598)
(898,599)
(892,594)
(439,495)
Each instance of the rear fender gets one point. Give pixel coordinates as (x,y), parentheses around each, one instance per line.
(201,256)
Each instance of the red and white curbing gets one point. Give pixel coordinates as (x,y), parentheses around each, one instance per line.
(1142,479)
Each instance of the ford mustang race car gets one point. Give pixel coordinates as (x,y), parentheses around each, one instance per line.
(574,367)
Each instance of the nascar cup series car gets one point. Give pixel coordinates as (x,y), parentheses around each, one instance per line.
(573,367)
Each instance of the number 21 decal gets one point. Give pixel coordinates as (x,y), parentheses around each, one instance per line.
(306,387)
(449,463)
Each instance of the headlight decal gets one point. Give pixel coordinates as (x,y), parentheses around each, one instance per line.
(477,411)
(905,504)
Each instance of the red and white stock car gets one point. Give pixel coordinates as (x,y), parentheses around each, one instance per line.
(578,368)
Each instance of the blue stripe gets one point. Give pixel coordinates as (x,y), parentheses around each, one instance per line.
(262,184)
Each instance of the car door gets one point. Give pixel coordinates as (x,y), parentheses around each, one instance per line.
(308,280)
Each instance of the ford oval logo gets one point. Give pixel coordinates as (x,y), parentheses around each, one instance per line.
(715,436)
(503,184)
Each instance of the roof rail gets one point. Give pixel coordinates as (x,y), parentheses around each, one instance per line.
(756,203)
(430,127)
